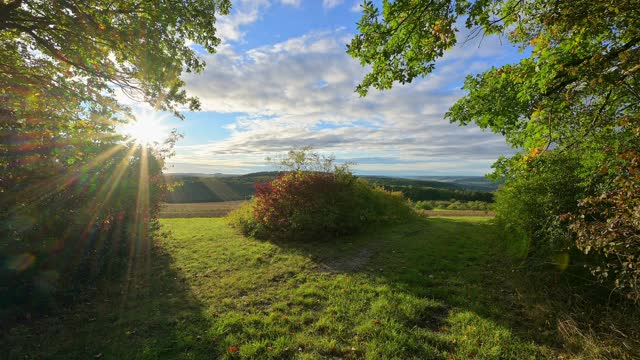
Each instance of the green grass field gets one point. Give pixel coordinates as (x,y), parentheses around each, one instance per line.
(222,208)
(436,288)
(459,213)
(190,210)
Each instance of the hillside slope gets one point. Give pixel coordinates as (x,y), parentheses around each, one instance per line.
(195,188)
(480,183)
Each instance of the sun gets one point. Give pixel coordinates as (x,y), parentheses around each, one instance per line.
(147,129)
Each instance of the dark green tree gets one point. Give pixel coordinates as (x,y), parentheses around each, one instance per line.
(577,94)
(75,196)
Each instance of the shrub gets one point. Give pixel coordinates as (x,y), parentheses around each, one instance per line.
(423,205)
(609,226)
(581,208)
(243,219)
(319,205)
(57,240)
(528,206)
(314,204)
(457,205)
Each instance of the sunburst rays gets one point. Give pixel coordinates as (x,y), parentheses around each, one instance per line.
(108,178)
(146,128)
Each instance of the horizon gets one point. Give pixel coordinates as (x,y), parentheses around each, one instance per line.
(354,173)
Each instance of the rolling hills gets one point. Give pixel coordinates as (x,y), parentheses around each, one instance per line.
(195,188)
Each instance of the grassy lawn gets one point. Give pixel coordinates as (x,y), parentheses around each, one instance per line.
(459,213)
(221,209)
(436,288)
(191,210)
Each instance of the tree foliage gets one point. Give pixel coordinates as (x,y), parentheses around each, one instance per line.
(608,224)
(86,48)
(305,159)
(577,92)
(75,195)
(579,83)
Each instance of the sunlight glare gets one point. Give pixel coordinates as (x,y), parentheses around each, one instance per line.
(147,129)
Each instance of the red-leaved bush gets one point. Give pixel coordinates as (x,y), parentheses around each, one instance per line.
(609,225)
(308,205)
(281,202)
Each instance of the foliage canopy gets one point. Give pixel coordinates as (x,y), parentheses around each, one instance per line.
(577,92)
(76,196)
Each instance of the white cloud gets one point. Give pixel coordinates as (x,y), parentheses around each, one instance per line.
(294,3)
(330,4)
(314,42)
(301,92)
(228,28)
(357,6)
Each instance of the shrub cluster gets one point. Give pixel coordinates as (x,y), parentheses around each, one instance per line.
(556,216)
(312,205)
(608,225)
(528,207)
(422,193)
(67,230)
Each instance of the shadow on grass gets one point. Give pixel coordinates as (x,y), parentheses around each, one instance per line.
(462,265)
(150,313)
(427,289)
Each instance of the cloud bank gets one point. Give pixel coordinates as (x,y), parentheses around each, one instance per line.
(301,92)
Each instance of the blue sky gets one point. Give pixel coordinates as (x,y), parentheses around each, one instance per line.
(281,79)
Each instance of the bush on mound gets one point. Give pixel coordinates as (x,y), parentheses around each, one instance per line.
(311,204)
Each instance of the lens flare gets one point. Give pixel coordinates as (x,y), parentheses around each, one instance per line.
(147,129)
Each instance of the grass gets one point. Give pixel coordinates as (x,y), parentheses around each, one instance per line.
(221,209)
(459,213)
(190,210)
(436,288)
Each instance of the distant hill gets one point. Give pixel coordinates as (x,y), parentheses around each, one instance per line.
(417,189)
(395,181)
(207,188)
(467,182)
(196,188)
(199,175)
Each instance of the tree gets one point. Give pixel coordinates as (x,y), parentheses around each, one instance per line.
(580,81)
(305,159)
(61,63)
(577,92)
(70,186)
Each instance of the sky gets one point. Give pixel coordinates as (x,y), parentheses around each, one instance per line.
(281,79)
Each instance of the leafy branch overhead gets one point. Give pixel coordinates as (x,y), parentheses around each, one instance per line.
(86,48)
(582,70)
(63,64)
(570,106)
